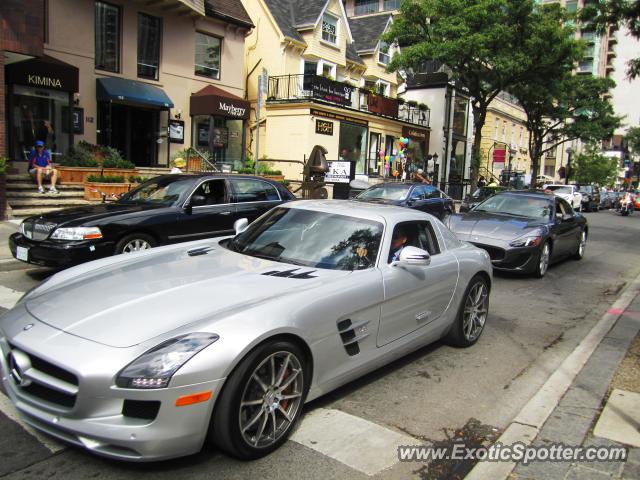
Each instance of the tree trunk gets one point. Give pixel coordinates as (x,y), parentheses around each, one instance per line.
(479,117)
(535,148)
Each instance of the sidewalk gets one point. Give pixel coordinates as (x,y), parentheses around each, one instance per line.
(575,418)
(6,229)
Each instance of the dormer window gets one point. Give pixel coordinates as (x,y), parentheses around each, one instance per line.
(383,53)
(330,29)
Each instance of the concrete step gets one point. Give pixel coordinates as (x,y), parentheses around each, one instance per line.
(32,186)
(24,194)
(17,177)
(47,201)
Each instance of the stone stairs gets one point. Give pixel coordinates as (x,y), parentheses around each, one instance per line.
(25,200)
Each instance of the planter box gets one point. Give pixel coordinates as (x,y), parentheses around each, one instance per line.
(94,190)
(276,178)
(194,164)
(78,175)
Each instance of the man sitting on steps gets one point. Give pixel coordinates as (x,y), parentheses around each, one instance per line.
(40,166)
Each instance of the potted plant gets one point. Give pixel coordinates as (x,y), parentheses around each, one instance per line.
(401,101)
(77,163)
(3,188)
(423,107)
(412,103)
(101,187)
(114,164)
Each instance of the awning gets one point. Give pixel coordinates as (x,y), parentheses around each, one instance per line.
(129,91)
(215,101)
(45,72)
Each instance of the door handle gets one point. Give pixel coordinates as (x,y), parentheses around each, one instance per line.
(225,213)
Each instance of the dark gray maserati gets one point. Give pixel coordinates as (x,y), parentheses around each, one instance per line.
(524,231)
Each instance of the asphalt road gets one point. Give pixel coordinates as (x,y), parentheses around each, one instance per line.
(436,395)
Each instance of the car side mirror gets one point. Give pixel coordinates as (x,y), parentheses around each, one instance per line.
(240,225)
(413,256)
(567,217)
(197,200)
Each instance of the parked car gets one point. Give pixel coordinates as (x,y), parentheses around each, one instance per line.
(417,196)
(480,195)
(569,192)
(590,197)
(147,356)
(607,200)
(163,210)
(524,231)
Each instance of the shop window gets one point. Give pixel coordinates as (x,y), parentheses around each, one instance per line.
(208,55)
(384,55)
(353,144)
(363,7)
(374,148)
(391,5)
(107,29)
(149,38)
(329,29)
(460,116)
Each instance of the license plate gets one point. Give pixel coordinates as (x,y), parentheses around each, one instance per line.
(22,253)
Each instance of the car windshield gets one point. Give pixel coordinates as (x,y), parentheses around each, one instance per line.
(482,192)
(159,191)
(559,189)
(516,205)
(386,192)
(585,189)
(312,239)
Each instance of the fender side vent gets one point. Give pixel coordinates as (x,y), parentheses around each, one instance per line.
(199,251)
(352,333)
(291,274)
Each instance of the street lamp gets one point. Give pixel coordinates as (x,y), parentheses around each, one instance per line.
(568,169)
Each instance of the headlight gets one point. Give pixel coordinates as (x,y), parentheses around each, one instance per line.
(77,233)
(155,368)
(531,239)
(22,230)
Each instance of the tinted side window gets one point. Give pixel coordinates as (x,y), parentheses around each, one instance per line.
(250,190)
(431,192)
(417,193)
(414,234)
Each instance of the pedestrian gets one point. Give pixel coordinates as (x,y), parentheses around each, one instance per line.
(421,177)
(178,164)
(40,167)
(481,181)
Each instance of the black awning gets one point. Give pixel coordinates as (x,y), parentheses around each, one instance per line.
(44,72)
(122,90)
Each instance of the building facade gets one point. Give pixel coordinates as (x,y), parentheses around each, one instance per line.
(327,86)
(124,73)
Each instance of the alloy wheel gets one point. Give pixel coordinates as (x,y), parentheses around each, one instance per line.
(136,245)
(583,244)
(544,260)
(475,311)
(271,399)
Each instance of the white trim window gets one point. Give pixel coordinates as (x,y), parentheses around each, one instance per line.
(330,29)
(384,53)
(328,69)
(383,88)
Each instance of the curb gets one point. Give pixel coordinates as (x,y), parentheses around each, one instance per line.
(527,424)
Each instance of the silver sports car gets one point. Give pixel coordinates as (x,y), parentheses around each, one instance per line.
(148,355)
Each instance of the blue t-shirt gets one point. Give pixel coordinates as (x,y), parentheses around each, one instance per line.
(41,160)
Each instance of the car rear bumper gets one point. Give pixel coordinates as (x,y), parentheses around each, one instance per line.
(59,254)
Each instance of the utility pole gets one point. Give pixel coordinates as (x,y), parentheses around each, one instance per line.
(263,81)
(568,169)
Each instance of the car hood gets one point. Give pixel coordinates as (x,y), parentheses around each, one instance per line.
(137,299)
(92,213)
(500,227)
(381,201)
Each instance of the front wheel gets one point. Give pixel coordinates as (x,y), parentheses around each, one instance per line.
(543,261)
(261,401)
(472,315)
(135,242)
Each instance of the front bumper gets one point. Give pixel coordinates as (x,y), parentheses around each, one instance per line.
(98,420)
(510,259)
(60,254)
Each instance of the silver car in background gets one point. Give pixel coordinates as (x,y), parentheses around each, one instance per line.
(146,356)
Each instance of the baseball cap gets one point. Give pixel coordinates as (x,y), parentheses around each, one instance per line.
(39,143)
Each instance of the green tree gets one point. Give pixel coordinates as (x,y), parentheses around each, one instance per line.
(591,166)
(605,13)
(483,42)
(632,138)
(573,107)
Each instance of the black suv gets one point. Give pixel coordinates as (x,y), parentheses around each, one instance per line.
(590,197)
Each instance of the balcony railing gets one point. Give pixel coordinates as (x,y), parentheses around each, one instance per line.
(298,88)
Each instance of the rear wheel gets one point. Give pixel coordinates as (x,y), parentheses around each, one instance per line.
(261,401)
(579,255)
(472,315)
(543,260)
(135,243)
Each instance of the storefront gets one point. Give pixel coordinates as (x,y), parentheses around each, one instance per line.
(418,145)
(133,117)
(39,106)
(218,125)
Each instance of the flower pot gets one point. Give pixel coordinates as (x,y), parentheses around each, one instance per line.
(94,190)
(194,164)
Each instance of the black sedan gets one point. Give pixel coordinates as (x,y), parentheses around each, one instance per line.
(418,196)
(524,231)
(480,195)
(166,209)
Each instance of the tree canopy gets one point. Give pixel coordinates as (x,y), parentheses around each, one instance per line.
(591,166)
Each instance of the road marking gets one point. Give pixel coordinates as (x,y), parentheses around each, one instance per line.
(353,441)
(10,411)
(9,297)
